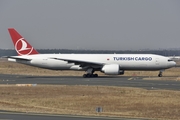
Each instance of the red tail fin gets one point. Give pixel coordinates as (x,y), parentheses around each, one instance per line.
(22,47)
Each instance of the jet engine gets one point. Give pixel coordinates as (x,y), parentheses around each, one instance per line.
(112,69)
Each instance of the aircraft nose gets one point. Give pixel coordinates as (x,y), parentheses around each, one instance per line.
(173,64)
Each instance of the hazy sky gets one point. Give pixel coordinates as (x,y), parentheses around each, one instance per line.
(92,24)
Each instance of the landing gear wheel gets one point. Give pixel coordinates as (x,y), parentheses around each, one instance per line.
(160,75)
(95,75)
(85,75)
(90,75)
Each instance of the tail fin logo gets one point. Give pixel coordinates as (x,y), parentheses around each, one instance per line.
(22,47)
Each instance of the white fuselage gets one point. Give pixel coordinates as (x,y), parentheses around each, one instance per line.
(125,61)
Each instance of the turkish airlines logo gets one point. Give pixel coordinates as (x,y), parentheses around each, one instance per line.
(22,47)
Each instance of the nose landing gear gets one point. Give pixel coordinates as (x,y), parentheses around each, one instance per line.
(160,73)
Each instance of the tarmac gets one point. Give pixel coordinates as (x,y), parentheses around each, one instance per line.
(8,115)
(120,81)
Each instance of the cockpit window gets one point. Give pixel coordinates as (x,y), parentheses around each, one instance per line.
(170,60)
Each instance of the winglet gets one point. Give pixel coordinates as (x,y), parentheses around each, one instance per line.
(22,47)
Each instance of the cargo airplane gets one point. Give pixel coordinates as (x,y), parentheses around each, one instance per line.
(110,64)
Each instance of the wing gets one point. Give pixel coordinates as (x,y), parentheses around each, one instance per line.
(174,57)
(82,63)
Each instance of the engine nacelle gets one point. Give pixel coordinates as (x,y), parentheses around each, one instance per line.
(112,69)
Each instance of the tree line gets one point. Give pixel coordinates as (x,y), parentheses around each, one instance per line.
(12,52)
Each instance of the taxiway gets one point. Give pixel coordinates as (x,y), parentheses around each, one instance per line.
(7,115)
(121,81)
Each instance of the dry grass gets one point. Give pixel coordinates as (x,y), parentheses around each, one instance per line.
(15,68)
(83,100)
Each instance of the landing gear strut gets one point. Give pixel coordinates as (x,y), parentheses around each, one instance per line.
(89,74)
(160,73)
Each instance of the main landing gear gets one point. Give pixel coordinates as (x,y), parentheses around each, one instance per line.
(160,73)
(89,74)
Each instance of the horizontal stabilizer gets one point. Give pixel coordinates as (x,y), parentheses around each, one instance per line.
(17,58)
